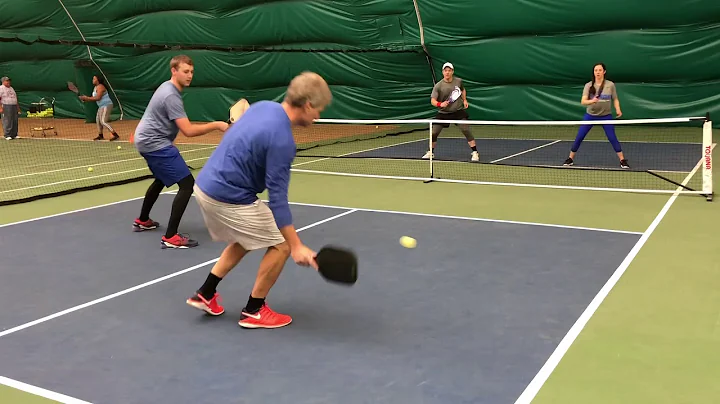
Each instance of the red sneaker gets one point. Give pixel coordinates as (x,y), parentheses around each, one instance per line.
(264,318)
(211,306)
(139,225)
(178,241)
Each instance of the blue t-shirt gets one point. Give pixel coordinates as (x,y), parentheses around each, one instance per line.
(255,153)
(104,100)
(157,128)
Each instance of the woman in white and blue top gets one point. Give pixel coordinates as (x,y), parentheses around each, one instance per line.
(105,106)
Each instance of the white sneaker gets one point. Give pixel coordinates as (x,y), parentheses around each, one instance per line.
(8,138)
(475,156)
(428,155)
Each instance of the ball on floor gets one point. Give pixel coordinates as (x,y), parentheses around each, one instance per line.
(408,242)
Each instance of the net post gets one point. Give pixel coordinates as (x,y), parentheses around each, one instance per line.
(707,180)
(430,129)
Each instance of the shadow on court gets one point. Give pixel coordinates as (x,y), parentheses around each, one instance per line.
(469,316)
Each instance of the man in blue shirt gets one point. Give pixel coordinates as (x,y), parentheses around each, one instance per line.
(256,153)
(164,117)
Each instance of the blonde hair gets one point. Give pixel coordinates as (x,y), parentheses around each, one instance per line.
(308,87)
(175,61)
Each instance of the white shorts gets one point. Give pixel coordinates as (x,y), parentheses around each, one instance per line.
(252,226)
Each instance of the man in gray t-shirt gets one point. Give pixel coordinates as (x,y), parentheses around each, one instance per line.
(450,97)
(157,128)
(443,91)
(163,118)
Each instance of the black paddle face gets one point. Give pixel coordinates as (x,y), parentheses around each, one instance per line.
(337,265)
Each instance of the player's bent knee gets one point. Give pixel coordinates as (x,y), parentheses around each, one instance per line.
(237,248)
(187,182)
(283,248)
(436,132)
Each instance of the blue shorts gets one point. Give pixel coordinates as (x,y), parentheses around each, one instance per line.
(167,165)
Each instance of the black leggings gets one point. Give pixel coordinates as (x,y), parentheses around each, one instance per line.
(182,198)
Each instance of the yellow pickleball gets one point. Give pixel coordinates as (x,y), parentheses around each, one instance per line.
(408,242)
(90,169)
(119,147)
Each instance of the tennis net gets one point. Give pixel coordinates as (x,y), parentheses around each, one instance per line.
(664,155)
(58,156)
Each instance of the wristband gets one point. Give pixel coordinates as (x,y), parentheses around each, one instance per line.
(439,103)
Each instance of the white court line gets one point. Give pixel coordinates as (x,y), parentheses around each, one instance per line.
(491,183)
(74,180)
(469,218)
(347,207)
(51,395)
(575,167)
(699,143)
(357,152)
(69,168)
(90,177)
(78,210)
(541,377)
(64,139)
(526,151)
(476,219)
(146,284)
(55,163)
(94,165)
(143,169)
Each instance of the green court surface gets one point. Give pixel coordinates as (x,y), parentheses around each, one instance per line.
(10,395)
(653,339)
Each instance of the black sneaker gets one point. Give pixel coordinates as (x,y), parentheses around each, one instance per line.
(624,164)
(568,162)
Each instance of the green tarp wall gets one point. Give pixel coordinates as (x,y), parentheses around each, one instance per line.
(520,59)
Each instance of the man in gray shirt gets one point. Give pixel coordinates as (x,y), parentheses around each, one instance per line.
(453,107)
(164,117)
(9,108)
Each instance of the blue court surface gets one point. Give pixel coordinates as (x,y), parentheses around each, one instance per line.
(676,157)
(469,316)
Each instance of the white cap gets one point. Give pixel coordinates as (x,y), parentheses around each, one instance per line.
(448,64)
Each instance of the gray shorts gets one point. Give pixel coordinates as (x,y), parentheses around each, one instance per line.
(252,226)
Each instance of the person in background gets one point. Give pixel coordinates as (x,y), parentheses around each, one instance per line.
(9,108)
(154,138)
(598,95)
(105,105)
(450,97)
